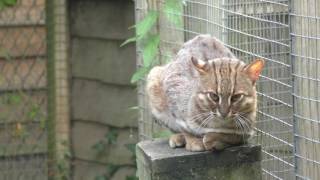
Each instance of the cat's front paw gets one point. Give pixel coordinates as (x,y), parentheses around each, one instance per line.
(195,146)
(194,143)
(209,141)
(213,144)
(177,140)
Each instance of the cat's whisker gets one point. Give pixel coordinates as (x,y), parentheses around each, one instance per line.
(243,115)
(246,120)
(204,122)
(208,121)
(199,116)
(241,128)
(204,113)
(238,125)
(244,124)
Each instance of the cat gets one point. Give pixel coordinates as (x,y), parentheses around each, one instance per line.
(205,95)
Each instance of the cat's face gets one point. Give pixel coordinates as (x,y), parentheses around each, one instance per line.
(227,87)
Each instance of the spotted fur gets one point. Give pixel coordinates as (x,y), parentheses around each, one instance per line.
(206,89)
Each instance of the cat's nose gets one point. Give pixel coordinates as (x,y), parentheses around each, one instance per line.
(224,114)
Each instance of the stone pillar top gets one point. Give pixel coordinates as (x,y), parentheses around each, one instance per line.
(156,160)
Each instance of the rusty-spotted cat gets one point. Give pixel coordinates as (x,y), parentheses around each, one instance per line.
(205,95)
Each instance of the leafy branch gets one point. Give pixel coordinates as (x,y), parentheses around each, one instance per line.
(149,39)
(110,138)
(7,3)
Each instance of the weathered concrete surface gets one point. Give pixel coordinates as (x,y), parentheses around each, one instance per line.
(86,135)
(156,160)
(88,170)
(101,90)
(102,19)
(103,60)
(104,103)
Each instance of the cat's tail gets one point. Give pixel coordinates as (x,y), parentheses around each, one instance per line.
(155,91)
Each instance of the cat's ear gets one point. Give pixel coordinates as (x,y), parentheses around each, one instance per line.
(254,69)
(200,65)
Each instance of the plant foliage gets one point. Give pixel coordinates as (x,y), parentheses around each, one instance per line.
(150,50)
(6,3)
(148,39)
(173,11)
(145,26)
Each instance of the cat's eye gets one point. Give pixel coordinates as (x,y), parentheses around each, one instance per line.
(236,97)
(213,96)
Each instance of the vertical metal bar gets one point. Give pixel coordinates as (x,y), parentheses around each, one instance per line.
(292,61)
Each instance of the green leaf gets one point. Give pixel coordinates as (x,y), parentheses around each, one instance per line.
(150,50)
(173,11)
(112,168)
(132,178)
(134,108)
(67,154)
(2,5)
(33,112)
(99,146)
(10,2)
(184,2)
(162,134)
(145,25)
(131,148)
(139,74)
(6,3)
(14,99)
(112,136)
(133,39)
(100,177)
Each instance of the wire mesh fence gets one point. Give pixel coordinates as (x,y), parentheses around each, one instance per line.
(23,91)
(305,26)
(285,33)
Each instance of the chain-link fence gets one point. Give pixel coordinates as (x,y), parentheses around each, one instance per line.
(285,33)
(23,91)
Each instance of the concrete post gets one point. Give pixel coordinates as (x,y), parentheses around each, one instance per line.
(157,161)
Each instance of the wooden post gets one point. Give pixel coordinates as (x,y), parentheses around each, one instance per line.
(58,79)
